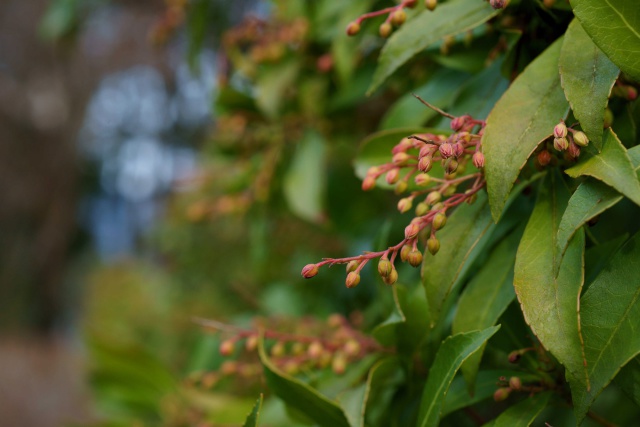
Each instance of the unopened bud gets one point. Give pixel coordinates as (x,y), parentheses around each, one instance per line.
(415,258)
(544,158)
(560,144)
(404,205)
(425,151)
(351,348)
(229,367)
(573,151)
(398,17)
(385,30)
(459,122)
(353,28)
(581,139)
(401,187)
(458,149)
(391,278)
(411,231)
(422,209)
(433,197)
(251,343)
(422,179)
(410,3)
(404,253)
(402,146)
(437,207)
(446,150)
(369,183)
(471,199)
(501,394)
(309,270)
(450,190)
(227,347)
(400,158)
(478,159)
(450,166)
(439,221)
(632,93)
(339,363)
(315,350)
(425,163)
(560,130)
(392,176)
(384,267)
(498,4)
(353,279)
(431,4)
(352,266)
(433,245)
(278,349)
(515,383)
(514,356)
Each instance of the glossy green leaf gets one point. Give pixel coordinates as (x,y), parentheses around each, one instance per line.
(254,416)
(550,304)
(440,90)
(449,19)
(524,413)
(612,166)
(465,228)
(486,297)
(305,182)
(589,200)
(452,353)
(610,314)
(587,77)
(614,26)
(301,396)
(523,117)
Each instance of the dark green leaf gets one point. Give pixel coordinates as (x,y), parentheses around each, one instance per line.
(614,25)
(449,19)
(629,380)
(610,314)
(452,353)
(612,166)
(587,77)
(523,117)
(301,396)
(254,416)
(466,226)
(385,332)
(305,181)
(523,413)
(486,297)
(550,304)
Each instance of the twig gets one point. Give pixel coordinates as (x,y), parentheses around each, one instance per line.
(434,108)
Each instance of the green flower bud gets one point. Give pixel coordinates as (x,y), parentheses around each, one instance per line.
(384,267)
(450,191)
(433,245)
(385,30)
(404,205)
(351,348)
(431,4)
(422,179)
(433,197)
(515,383)
(352,266)
(581,139)
(421,209)
(353,279)
(391,278)
(415,258)
(398,17)
(438,206)
(339,363)
(608,118)
(353,28)
(439,221)
(278,349)
(401,187)
(404,253)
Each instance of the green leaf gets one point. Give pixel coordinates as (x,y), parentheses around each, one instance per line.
(466,226)
(305,182)
(254,416)
(301,396)
(587,77)
(452,353)
(614,26)
(523,413)
(610,314)
(612,166)
(439,90)
(486,297)
(629,380)
(272,85)
(60,20)
(523,117)
(385,332)
(550,304)
(449,19)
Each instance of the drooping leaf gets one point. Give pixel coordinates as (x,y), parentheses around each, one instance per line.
(523,413)
(587,77)
(440,90)
(550,304)
(466,226)
(614,26)
(305,181)
(301,396)
(523,117)
(612,166)
(428,27)
(452,353)
(610,312)
(486,297)
(254,416)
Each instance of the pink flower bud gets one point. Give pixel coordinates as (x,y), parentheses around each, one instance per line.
(632,93)
(351,348)
(573,151)
(369,183)
(353,279)
(458,149)
(425,164)
(498,4)
(411,231)
(392,176)
(353,28)
(560,130)
(446,150)
(503,392)
(422,179)
(400,158)
(425,151)
(227,347)
(459,122)
(404,205)
(478,159)
(544,158)
(315,350)
(560,144)
(402,146)
(309,270)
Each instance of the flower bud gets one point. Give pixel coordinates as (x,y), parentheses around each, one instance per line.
(227,347)
(560,130)
(446,150)
(352,266)
(437,207)
(415,258)
(439,221)
(515,356)
(459,122)
(404,205)
(560,144)
(449,191)
(369,183)
(422,209)
(398,17)
(431,4)
(544,158)
(422,179)
(278,349)
(353,28)
(392,176)
(404,253)
(433,245)
(498,4)
(478,159)
(425,151)
(353,279)
(515,383)
(573,151)
(391,278)
(400,159)
(458,149)
(411,231)
(503,392)
(425,163)
(251,343)
(384,267)
(385,30)
(471,199)
(229,367)
(401,187)
(351,347)
(339,363)
(581,139)
(309,270)
(632,93)
(315,350)
(402,146)
(410,3)
(433,197)
(450,166)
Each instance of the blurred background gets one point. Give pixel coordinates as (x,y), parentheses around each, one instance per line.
(163,160)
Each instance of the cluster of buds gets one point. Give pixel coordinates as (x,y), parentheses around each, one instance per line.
(506,386)
(413,159)
(396,16)
(172,18)
(315,344)
(565,140)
